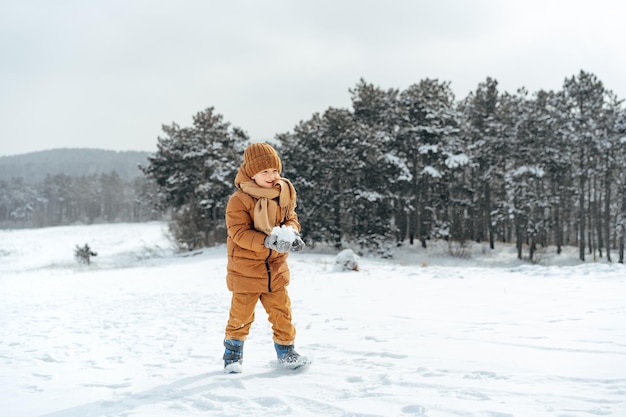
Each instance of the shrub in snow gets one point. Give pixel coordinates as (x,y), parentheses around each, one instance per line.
(460,249)
(346,260)
(83,254)
(191,231)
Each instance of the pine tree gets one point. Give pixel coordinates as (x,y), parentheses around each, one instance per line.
(377,116)
(426,138)
(525,170)
(582,101)
(485,143)
(619,130)
(194,168)
(315,156)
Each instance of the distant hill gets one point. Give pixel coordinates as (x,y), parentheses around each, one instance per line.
(35,166)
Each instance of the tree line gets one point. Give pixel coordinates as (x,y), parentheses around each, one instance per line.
(408,166)
(62,199)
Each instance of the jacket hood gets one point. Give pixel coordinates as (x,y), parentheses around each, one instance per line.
(241,177)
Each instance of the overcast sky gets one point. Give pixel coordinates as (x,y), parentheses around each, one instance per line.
(107,74)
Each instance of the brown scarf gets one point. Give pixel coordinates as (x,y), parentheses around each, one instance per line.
(267,206)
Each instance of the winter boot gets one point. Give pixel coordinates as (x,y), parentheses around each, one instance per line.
(288,357)
(233,356)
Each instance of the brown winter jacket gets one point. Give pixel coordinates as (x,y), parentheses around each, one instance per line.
(253,268)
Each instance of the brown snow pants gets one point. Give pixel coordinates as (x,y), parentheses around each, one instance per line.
(278,307)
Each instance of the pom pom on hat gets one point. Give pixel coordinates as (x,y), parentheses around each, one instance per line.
(258,157)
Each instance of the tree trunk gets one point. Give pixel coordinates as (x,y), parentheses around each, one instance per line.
(533,248)
(558,226)
(338,213)
(519,235)
(425,215)
(607,206)
(597,219)
(622,235)
(487,214)
(581,210)
(414,218)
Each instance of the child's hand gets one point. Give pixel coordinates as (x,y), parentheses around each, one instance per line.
(272,242)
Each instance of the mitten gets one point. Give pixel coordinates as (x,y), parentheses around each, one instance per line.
(272,242)
(298,243)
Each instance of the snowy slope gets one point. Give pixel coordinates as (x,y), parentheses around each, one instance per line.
(139,333)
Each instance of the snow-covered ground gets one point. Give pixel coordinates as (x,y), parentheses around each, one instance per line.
(138,333)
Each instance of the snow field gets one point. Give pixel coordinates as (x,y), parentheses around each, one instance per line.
(139,333)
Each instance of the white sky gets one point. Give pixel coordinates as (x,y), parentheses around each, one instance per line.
(108,73)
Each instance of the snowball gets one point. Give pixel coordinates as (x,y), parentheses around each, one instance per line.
(346,260)
(285,233)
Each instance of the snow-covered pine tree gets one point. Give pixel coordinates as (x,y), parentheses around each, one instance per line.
(426,138)
(58,197)
(620,160)
(382,171)
(612,155)
(527,194)
(194,169)
(542,143)
(19,203)
(583,100)
(484,140)
(315,158)
(340,174)
(112,196)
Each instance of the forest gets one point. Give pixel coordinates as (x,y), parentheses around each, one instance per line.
(74,186)
(400,167)
(62,199)
(409,166)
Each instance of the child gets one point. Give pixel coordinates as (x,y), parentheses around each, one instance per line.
(257,254)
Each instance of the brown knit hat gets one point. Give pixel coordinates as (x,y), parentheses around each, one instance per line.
(258,157)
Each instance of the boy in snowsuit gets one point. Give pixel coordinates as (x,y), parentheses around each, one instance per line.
(257,253)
